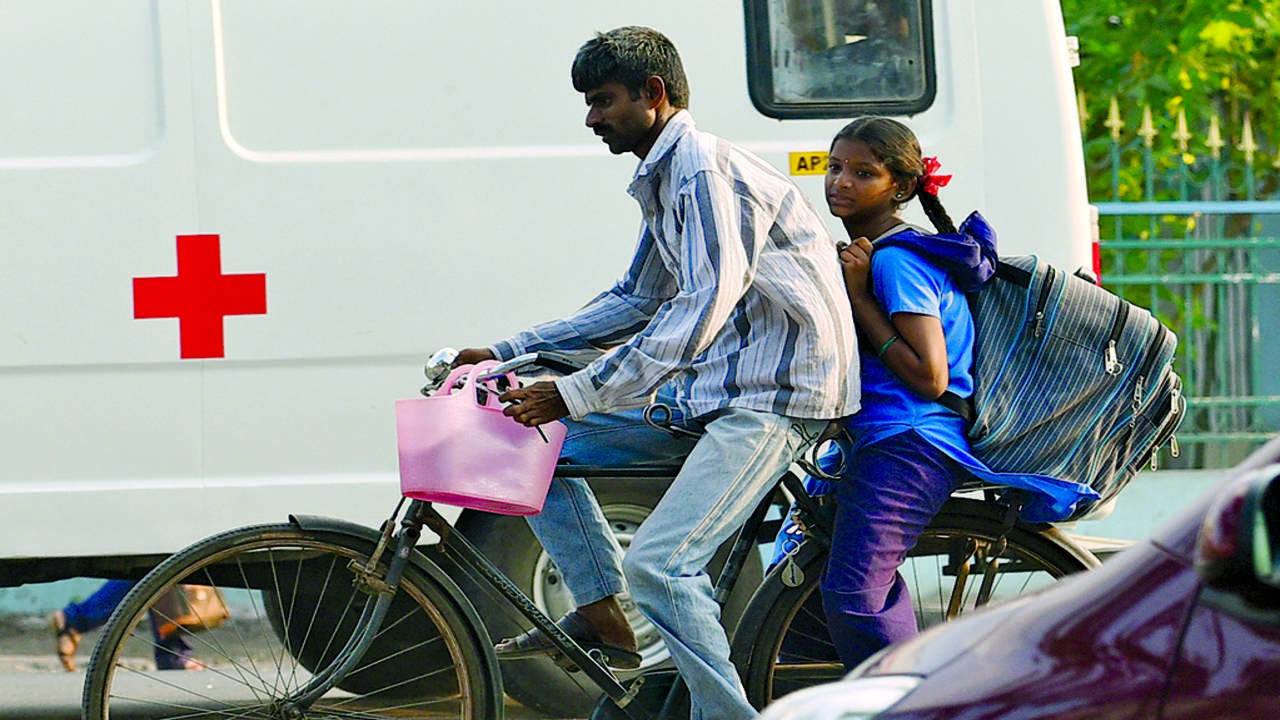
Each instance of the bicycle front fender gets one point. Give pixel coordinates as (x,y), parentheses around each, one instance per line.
(429,567)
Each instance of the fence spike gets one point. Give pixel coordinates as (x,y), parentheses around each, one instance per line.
(1082,109)
(1214,142)
(1180,133)
(1247,144)
(1148,128)
(1114,120)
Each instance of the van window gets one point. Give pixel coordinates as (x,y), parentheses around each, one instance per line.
(838,58)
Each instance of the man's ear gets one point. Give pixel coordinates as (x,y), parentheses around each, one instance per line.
(655,91)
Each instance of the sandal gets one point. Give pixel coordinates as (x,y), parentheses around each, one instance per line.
(534,643)
(66,640)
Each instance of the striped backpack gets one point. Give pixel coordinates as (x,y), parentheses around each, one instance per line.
(1070,380)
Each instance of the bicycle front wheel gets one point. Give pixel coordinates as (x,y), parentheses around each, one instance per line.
(783,645)
(293,605)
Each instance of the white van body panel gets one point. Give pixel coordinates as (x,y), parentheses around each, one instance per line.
(407,175)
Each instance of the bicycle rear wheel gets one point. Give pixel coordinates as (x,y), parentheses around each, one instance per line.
(427,659)
(782,644)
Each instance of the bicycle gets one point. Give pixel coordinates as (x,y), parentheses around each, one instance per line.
(978,543)
(333,619)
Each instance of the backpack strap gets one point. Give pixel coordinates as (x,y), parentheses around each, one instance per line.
(933,250)
(968,256)
(960,406)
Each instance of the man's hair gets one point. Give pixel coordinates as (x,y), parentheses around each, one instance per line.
(630,55)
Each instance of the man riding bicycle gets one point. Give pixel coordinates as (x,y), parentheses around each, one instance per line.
(734,301)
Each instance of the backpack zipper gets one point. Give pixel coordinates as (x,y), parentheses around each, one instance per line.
(1112,363)
(1172,411)
(1139,386)
(1152,350)
(1042,301)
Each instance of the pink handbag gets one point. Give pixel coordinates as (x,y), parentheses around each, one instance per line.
(457,451)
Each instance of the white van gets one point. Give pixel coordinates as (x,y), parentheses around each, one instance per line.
(233,229)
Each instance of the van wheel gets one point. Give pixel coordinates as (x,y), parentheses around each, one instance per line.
(537,683)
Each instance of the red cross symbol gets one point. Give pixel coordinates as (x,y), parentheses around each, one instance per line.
(199,296)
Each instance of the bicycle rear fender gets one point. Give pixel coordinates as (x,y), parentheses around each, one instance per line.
(809,553)
(994,512)
(429,567)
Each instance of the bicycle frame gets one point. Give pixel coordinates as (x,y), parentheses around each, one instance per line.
(465,553)
(381,580)
(421,513)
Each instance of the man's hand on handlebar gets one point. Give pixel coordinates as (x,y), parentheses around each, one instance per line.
(471,356)
(531,405)
(534,404)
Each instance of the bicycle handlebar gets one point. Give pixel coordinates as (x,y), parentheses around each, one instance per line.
(554,362)
(507,366)
(657,415)
(440,364)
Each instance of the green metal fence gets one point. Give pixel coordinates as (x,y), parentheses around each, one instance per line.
(1190,230)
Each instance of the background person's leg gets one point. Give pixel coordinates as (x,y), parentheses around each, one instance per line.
(77,618)
(173,652)
(94,611)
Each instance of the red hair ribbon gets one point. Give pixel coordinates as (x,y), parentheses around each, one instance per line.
(933,182)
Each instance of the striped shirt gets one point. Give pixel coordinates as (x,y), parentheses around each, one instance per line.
(734,293)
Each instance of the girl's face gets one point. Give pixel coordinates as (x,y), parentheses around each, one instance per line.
(859,186)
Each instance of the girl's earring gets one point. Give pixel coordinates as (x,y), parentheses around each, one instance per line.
(897,196)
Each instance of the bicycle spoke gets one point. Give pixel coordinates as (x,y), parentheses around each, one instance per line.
(175,686)
(959,564)
(293,607)
(241,671)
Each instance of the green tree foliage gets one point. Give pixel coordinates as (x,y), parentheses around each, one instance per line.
(1217,62)
(1207,57)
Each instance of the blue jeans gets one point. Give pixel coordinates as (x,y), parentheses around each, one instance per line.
(724,475)
(171,653)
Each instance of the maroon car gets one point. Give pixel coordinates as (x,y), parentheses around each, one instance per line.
(1183,626)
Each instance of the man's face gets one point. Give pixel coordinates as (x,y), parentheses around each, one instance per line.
(624,124)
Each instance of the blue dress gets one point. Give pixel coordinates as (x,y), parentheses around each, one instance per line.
(905,281)
(909,453)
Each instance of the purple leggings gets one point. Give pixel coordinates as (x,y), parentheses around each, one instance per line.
(890,492)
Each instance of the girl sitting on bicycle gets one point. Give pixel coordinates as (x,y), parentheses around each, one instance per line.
(909,451)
